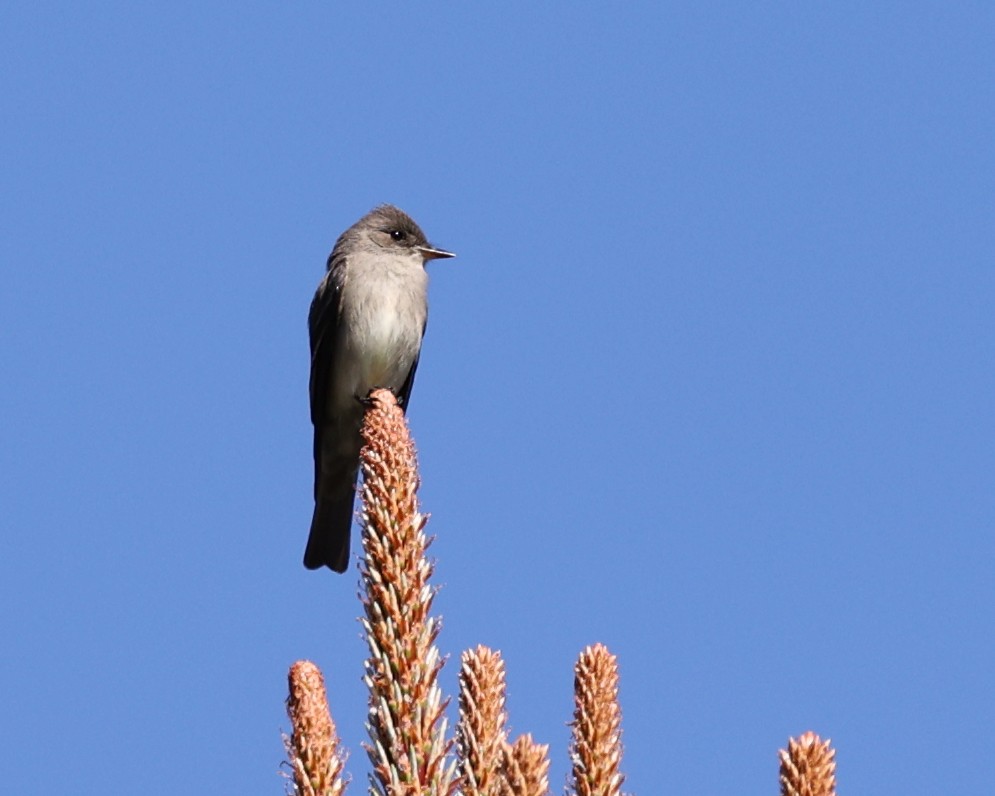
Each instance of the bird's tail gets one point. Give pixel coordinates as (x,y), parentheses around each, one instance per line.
(331,524)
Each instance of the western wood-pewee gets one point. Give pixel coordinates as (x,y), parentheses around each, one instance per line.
(366,325)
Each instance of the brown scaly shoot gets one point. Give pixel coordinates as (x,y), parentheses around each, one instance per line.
(808,767)
(481,733)
(406,723)
(313,750)
(525,768)
(596,747)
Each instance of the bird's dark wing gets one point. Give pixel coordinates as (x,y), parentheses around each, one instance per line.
(405,392)
(321,322)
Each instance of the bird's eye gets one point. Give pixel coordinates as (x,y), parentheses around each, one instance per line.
(398,235)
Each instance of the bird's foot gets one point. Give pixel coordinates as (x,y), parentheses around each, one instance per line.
(367,400)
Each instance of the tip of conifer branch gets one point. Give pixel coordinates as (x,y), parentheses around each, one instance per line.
(406,721)
(525,770)
(480,733)
(808,767)
(596,746)
(315,756)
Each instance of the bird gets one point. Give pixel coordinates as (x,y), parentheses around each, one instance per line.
(365,325)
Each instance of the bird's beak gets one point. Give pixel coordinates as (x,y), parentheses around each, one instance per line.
(431,253)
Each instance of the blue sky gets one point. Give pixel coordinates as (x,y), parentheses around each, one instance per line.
(710,381)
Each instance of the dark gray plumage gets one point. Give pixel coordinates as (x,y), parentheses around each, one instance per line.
(366,325)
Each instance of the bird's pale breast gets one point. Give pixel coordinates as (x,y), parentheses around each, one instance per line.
(385,315)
